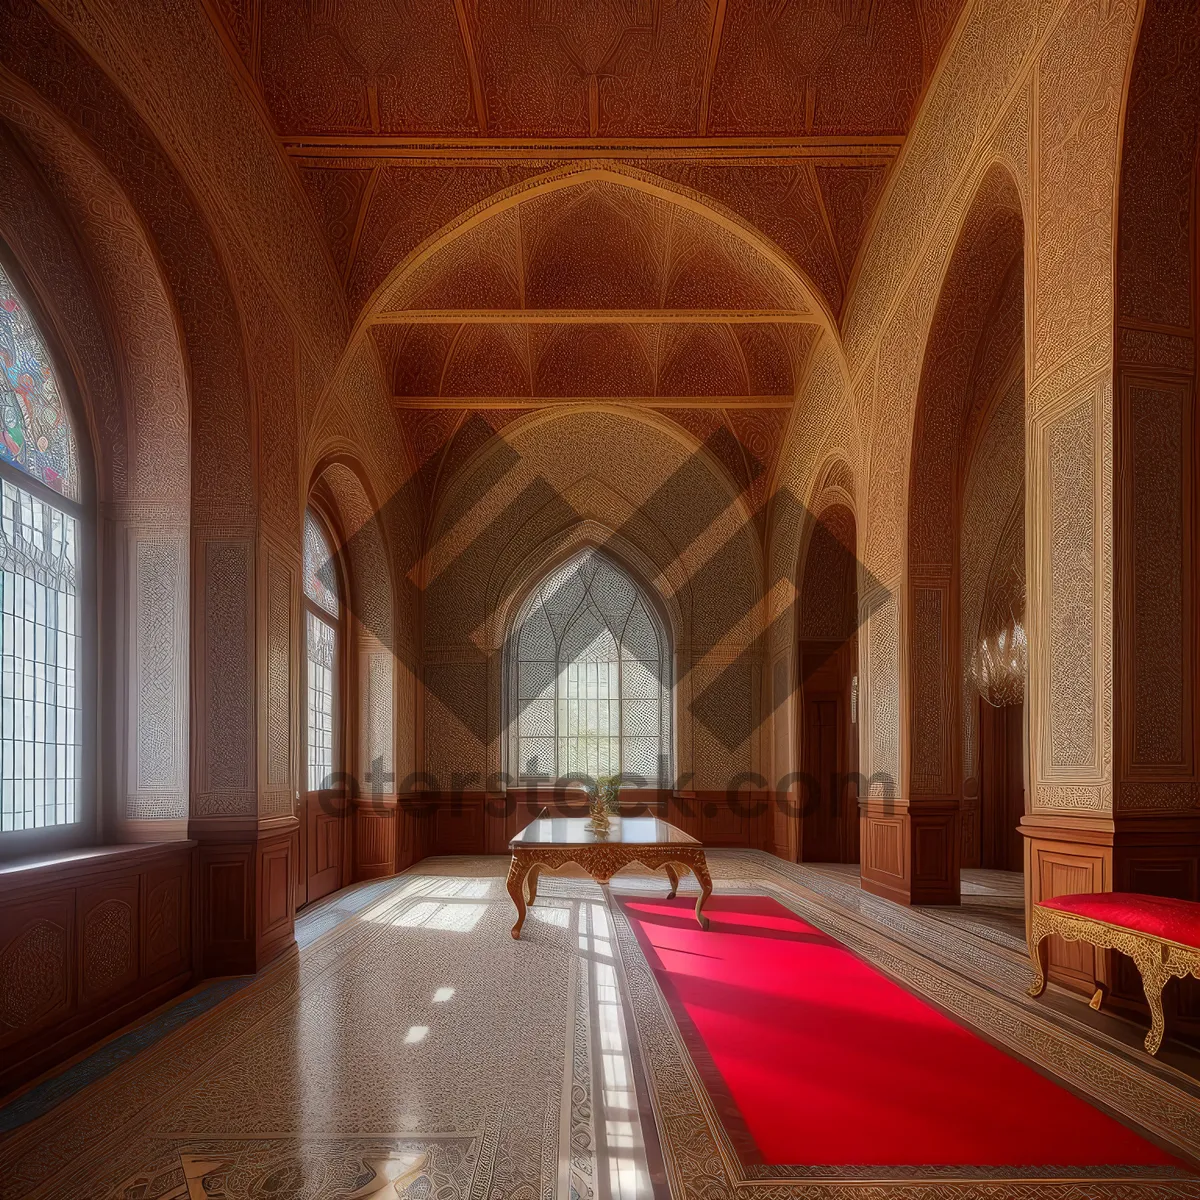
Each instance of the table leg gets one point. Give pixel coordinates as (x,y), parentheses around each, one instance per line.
(673,876)
(531,882)
(1154,979)
(515,883)
(700,870)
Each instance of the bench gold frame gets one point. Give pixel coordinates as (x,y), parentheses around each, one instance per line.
(1158,960)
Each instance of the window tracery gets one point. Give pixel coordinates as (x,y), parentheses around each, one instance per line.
(589,679)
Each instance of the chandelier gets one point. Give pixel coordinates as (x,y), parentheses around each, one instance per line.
(999,663)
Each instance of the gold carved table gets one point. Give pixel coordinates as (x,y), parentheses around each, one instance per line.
(1160,934)
(549,843)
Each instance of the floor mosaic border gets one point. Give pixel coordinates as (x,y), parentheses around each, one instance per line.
(701,1161)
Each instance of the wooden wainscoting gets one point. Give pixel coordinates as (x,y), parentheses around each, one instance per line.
(247,873)
(885,869)
(1064,857)
(375,837)
(911,850)
(415,828)
(89,941)
(742,821)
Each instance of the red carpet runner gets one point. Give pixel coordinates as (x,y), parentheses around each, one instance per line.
(813,1057)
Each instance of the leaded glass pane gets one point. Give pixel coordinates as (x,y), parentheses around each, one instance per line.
(639,680)
(612,592)
(320,570)
(537,718)
(641,757)
(590,685)
(322,641)
(538,640)
(641,717)
(537,758)
(40,718)
(588,638)
(35,432)
(535,680)
(639,639)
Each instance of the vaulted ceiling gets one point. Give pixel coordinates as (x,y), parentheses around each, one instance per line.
(404,115)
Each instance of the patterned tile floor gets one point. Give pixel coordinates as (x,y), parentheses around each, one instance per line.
(413,1049)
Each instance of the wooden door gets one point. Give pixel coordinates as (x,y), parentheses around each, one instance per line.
(1014,790)
(823,774)
(323,844)
(1001,785)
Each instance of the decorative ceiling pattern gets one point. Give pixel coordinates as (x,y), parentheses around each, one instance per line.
(404,115)
(376,214)
(503,363)
(590,68)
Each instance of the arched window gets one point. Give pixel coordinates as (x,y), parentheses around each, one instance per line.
(589,684)
(41,721)
(322,620)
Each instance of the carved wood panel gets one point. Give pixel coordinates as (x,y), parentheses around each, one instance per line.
(87,944)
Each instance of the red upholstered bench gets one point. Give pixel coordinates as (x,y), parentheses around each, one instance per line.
(1161,935)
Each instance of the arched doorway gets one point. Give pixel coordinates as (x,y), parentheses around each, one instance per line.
(966,565)
(827,664)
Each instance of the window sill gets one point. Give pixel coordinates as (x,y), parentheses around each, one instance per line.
(83,862)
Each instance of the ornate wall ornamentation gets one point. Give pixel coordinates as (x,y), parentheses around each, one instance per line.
(42,56)
(163,907)
(456,726)
(139,309)
(280,717)
(227,770)
(108,947)
(932,713)
(378,725)
(882,646)
(1071,618)
(159,594)
(33,974)
(272,358)
(1080,75)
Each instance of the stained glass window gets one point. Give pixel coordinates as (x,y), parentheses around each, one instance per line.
(589,678)
(320,570)
(35,432)
(40,718)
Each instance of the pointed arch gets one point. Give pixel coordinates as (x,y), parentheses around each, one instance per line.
(807,295)
(588,671)
(967,461)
